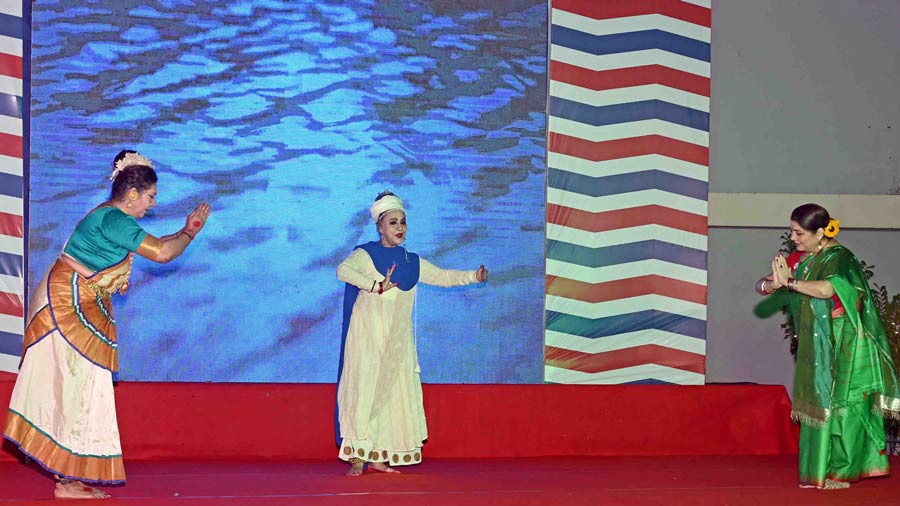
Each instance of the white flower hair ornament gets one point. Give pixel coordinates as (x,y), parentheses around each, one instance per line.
(127,160)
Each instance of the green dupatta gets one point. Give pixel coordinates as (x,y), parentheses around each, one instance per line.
(839,369)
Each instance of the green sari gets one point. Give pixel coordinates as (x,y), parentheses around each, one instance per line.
(845,379)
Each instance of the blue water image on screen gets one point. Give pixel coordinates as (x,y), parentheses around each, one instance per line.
(288,117)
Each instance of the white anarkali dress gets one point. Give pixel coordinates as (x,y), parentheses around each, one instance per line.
(381,415)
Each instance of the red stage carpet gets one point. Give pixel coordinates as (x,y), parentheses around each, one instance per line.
(513,444)
(296,421)
(570,481)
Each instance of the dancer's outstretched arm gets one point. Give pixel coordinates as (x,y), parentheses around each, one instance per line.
(167,248)
(433,275)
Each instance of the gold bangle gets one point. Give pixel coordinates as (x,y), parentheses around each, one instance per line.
(357,460)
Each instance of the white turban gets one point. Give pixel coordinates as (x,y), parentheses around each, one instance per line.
(386,204)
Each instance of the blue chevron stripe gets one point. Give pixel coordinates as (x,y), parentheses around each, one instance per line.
(11,26)
(594,328)
(648,381)
(12,185)
(627,113)
(631,41)
(10,105)
(11,264)
(625,183)
(10,344)
(625,253)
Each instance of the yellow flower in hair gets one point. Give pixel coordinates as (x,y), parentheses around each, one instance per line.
(833,228)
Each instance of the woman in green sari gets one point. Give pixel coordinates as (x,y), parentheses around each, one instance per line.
(845,379)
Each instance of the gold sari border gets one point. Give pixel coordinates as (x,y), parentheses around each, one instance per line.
(59,460)
(886,407)
(809,414)
(38,328)
(81,318)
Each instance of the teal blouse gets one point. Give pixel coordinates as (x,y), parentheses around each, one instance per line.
(104,238)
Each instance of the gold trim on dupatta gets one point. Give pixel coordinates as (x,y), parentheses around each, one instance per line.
(809,414)
(886,407)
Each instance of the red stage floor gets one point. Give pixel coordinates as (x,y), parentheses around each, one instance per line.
(696,481)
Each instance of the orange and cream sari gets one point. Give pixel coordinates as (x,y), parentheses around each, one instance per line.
(62,411)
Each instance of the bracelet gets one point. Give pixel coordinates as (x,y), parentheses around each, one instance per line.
(373,286)
(185,232)
(356,460)
(792,284)
(380,287)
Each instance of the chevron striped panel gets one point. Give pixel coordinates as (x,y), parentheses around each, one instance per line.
(628,160)
(12,188)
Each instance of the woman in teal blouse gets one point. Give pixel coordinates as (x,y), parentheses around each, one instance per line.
(62,411)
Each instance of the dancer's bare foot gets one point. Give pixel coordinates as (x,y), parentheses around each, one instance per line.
(356,469)
(381,467)
(829,485)
(67,489)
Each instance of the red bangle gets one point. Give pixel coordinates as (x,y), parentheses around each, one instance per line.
(380,287)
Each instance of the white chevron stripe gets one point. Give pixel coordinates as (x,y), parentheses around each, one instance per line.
(629,24)
(624,341)
(12,284)
(12,324)
(606,274)
(624,375)
(626,201)
(627,166)
(10,125)
(11,205)
(625,306)
(628,130)
(628,95)
(629,59)
(11,7)
(10,165)
(10,244)
(11,85)
(628,235)
(11,45)
(9,363)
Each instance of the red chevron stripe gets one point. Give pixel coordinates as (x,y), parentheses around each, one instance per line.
(11,304)
(626,148)
(11,145)
(626,218)
(10,224)
(625,288)
(632,76)
(628,357)
(609,9)
(11,65)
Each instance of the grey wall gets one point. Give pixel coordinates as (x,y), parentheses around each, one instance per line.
(805,99)
(805,96)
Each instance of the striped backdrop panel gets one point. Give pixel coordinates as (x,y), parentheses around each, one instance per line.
(12,189)
(627,189)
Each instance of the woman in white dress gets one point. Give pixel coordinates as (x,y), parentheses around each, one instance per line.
(381,416)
